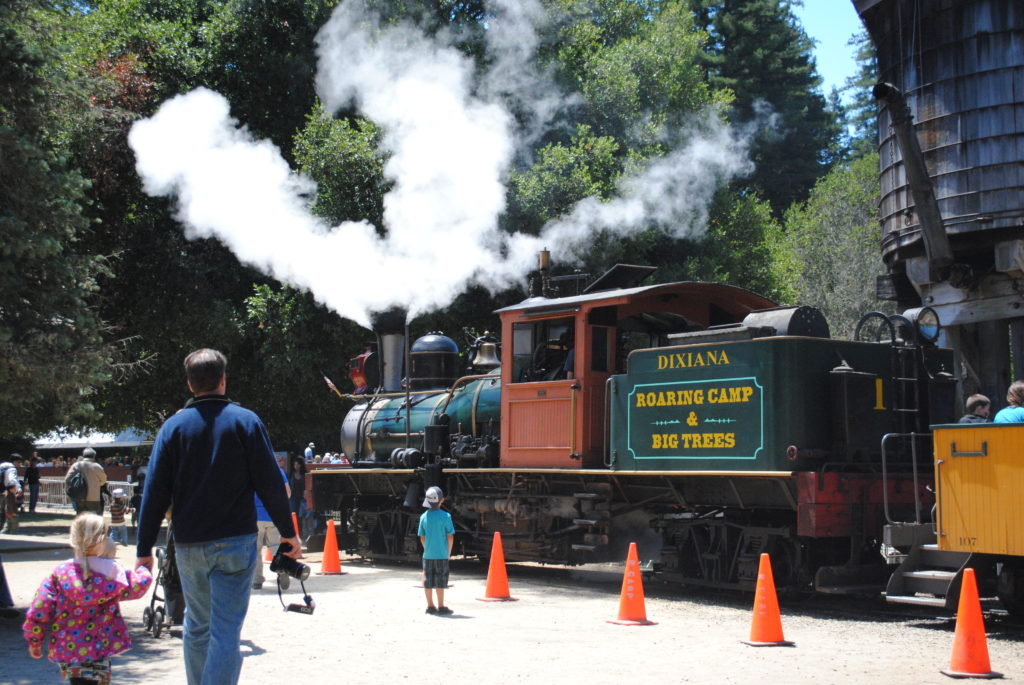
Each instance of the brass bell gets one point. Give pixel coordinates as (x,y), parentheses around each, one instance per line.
(486,357)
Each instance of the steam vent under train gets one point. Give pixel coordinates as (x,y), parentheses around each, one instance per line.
(951,143)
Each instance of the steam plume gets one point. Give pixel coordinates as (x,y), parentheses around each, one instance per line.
(450,140)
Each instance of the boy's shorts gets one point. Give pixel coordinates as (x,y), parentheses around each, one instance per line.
(435,573)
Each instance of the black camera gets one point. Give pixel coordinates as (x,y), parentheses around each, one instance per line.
(283,564)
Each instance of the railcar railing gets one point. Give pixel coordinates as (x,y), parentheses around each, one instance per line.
(52,496)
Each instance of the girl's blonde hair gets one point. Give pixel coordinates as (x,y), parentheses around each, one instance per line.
(87,530)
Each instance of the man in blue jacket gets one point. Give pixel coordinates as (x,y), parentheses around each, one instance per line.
(207,461)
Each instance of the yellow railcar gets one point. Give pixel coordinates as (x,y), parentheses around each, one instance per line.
(979,472)
(979,477)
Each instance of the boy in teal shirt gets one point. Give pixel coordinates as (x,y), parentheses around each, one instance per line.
(437,533)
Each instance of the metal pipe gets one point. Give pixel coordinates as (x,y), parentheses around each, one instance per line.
(460,381)
(572,420)
(917,493)
(936,242)
(609,384)
(408,384)
(885,481)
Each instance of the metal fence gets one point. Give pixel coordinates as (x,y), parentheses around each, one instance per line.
(51,493)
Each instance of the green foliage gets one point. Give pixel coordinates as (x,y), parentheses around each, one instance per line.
(863,111)
(828,250)
(759,52)
(562,175)
(637,65)
(262,56)
(50,335)
(345,160)
(289,344)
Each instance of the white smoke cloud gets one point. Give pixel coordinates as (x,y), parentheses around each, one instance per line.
(672,193)
(515,78)
(450,141)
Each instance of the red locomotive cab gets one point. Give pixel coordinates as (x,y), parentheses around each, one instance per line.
(563,351)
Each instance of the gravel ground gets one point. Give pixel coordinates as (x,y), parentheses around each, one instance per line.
(370,627)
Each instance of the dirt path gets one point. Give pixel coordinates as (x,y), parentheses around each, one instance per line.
(369,627)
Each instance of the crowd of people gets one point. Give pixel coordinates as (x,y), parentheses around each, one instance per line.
(330,458)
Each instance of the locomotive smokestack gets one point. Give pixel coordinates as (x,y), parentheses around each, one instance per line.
(541,286)
(389,325)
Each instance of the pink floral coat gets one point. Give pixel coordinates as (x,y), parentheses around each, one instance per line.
(79,617)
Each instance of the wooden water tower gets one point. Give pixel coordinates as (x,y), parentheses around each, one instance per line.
(951,141)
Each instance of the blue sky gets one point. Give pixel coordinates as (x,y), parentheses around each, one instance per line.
(831,23)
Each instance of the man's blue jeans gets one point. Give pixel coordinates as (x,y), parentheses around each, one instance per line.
(216,578)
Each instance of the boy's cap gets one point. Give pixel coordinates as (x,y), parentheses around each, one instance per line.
(118,492)
(433,497)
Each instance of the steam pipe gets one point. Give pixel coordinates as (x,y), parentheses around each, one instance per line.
(408,387)
(936,242)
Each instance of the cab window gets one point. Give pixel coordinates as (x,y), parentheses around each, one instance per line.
(540,349)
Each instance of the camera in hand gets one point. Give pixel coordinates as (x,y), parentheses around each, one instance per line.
(284,564)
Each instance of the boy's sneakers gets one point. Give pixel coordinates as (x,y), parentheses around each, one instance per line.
(444,611)
(432,610)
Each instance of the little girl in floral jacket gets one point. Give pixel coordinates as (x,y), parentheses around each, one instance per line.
(76,609)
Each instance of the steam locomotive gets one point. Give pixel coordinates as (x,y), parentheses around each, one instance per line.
(696,419)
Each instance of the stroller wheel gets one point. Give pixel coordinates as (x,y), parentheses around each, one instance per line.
(147,619)
(158,622)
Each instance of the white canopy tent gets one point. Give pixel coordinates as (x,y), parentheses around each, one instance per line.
(129,437)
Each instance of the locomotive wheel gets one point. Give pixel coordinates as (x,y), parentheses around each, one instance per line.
(1010,588)
(158,622)
(787,564)
(147,619)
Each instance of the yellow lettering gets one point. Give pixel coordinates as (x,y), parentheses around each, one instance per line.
(662,361)
(640,400)
(661,441)
(697,440)
(722,359)
(879,397)
(661,399)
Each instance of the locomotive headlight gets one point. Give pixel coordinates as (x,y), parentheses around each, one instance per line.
(926,322)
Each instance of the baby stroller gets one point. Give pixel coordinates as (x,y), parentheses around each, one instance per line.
(167,605)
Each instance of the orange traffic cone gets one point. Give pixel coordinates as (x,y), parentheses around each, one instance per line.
(766,626)
(497,579)
(970,650)
(268,556)
(330,563)
(631,600)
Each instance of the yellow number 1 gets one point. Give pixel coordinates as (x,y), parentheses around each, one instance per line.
(879,402)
